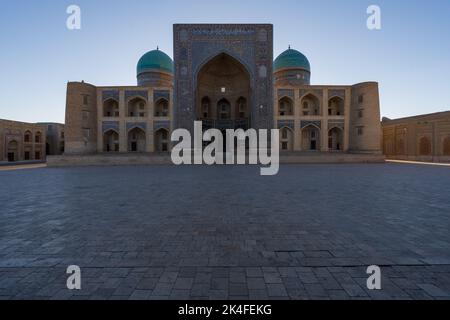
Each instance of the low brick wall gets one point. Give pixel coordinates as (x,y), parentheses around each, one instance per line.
(158,159)
(437,159)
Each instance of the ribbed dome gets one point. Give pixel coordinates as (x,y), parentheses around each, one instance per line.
(155,60)
(291,59)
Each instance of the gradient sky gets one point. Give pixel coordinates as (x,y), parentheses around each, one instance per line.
(409,56)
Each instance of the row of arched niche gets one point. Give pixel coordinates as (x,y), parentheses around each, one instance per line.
(136,107)
(136,140)
(310,106)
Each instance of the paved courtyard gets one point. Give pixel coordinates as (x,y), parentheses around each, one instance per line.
(165,232)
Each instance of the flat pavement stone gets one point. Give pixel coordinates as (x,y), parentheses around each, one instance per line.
(222,232)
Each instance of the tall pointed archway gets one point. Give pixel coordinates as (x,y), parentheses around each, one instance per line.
(223,79)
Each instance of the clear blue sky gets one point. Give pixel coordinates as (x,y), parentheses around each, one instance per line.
(409,56)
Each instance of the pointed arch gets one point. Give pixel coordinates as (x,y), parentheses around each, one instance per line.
(111,108)
(222,53)
(241,108)
(205,110)
(162,140)
(424,146)
(136,107)
(311,137)
(136,139)
(310,105)
(335,139)
(13,151)
(38,137)
(336,106)
(223,76)
(286,139)
(223,109)
(446,146)
(28,136)
(111,140)
(162,108)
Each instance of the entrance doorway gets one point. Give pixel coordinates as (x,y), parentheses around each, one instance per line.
(311,138)
(223,93)
(13,148)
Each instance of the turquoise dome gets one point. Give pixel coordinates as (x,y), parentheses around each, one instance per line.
(155,60)
(291,59)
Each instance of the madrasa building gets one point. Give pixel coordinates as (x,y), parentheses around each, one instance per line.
(225,76)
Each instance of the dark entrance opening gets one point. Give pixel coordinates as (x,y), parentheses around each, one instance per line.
(223,94)
(11,157)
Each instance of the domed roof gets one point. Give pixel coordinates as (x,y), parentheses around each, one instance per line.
(155,59)
(291,59)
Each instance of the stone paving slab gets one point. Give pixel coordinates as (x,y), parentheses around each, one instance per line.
(224,232)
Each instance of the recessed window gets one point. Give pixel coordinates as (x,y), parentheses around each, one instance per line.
(360,113)
(360,131)
(285,107)
(27,137)
(361,98)
(162,108)
(85,99)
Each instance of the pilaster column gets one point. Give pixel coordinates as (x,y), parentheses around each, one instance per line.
(324,127)
(297,129)
(150,118)
(347,116)
(172,118)
(99,121)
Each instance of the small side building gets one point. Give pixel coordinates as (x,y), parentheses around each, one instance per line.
(21,141)
(418,138)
